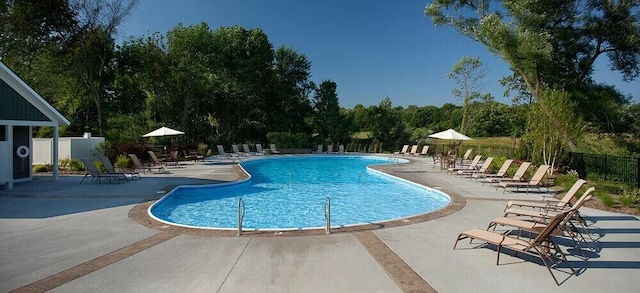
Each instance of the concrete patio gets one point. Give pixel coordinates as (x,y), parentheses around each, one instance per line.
(68,237)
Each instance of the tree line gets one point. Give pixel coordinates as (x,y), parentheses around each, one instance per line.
(231,85)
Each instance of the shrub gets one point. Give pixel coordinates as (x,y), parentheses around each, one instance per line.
(630,197)
(76,165)
(64,163)
(123,161)
(607,200)
(566,180)
(40,168)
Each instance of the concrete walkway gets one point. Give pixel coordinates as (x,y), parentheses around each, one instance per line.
(66,237)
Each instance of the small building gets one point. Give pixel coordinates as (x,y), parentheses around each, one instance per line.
(21,109)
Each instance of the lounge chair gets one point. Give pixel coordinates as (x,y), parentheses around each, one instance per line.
(192,156)
(547,203)
(425,149)
(472,166)
(414,150)
(236,150)
(155,159)
(518,176)
(92,171)
(222,152)
(501,173)
(137,165)
(547,213)
(174,157)
(539,247)
(111,170)
(465,159)
(341,149)
(402,151)
(540,220)
(330,149)
(320,148)
(259,150)
(245,148)
(273,149)
(483,169)
(535,181)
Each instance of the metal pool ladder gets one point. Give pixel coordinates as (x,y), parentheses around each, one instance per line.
(240,215)
(327,214)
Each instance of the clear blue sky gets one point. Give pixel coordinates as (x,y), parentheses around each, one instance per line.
(370,48)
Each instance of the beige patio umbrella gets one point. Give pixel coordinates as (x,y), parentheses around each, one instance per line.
(163,131)
(450,134)
(453,136)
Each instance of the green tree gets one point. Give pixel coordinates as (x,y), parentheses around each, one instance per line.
(327,119)
(468,74)
(290,105)
(549,44)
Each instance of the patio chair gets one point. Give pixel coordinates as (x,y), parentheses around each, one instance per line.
(259,150)
(330,149)
(111,170)
(483,169)
(542,246)
(92,171)
(236,150)
(538,223)
(273,149)
(341,149)
(518,176)
(414,150)
(173,155)
(501,173)
(550,212)
(465,158)
(319,149)
(192,156)
(245,148)
(222,152)
(403,150)
(472,166)
(549,203)
(425,149)
(155,159)
(535,181)
(137,165)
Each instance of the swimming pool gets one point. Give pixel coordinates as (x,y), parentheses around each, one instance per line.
(289,193)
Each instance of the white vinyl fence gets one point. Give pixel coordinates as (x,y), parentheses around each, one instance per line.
(68,147)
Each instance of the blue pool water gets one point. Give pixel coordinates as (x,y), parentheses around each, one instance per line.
(290,192)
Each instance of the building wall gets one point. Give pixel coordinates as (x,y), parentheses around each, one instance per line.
(21,167)
(15,107)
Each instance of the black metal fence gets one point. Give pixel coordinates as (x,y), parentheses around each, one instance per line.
(619,169)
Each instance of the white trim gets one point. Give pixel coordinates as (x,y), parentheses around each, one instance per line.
(24,90)
(54,152)
(27,123)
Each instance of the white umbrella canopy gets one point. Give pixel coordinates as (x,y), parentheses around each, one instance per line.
(450,134)
(163,131)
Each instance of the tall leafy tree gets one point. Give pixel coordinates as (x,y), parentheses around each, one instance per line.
(468,74)
(290,104)
(550,43)
(327,110)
